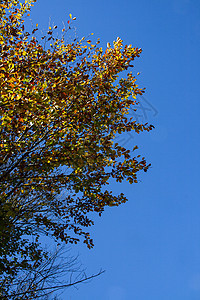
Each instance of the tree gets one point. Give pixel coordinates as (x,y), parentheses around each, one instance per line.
(61,106)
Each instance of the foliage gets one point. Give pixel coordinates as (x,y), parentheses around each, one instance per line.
(61,106)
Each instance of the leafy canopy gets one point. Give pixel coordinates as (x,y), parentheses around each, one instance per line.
(61,106)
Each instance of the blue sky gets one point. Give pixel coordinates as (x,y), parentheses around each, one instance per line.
(149,247)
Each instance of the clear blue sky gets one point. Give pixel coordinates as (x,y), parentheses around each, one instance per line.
(149,247)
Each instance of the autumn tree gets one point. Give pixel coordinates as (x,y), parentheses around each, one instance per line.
(61,106)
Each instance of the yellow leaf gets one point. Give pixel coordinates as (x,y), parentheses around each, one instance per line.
(70,16)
